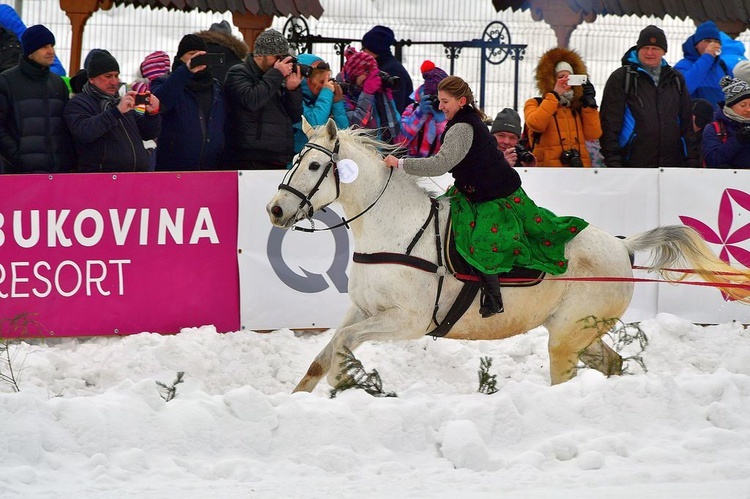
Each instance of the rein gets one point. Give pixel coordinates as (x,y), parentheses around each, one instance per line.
(306,200)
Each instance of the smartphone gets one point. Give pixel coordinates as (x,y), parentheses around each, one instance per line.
(577,80)
(142,99)
(210,59)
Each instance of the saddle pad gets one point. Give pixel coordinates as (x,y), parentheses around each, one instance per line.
(463,271)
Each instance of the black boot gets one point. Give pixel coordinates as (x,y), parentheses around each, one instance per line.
(492,300)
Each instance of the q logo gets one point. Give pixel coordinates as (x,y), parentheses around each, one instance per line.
(310,282)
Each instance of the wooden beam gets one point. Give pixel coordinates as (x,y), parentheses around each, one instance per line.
(78,11)
(251,25)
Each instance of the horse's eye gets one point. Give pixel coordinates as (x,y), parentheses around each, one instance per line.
(314,166)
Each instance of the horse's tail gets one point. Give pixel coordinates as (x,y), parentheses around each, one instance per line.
(672,245)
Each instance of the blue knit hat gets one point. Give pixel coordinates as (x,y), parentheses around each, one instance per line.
(36,37)
(379,40)
(706,30)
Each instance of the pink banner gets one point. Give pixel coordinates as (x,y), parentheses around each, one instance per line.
(102,254)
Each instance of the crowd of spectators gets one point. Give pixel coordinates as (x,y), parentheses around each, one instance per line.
(216,104)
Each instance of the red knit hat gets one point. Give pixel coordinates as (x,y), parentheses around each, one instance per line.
(357,63)
(155,65)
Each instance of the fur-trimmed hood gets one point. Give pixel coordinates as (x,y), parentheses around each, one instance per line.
(233,43)
(545,71)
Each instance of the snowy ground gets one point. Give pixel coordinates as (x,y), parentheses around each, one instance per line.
(90,422)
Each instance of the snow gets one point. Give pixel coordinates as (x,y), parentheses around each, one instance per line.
(90,420)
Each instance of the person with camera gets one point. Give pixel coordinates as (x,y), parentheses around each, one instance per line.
(726,141)
(193,112)
(566,116)
(646,110)
(496,225)
(422,123)
(506,128)
(368,94)
(264,101)
(107,131)
(322,97)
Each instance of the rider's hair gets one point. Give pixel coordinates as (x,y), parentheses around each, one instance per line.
(457,87)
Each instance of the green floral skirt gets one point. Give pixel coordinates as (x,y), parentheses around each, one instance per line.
(513,231)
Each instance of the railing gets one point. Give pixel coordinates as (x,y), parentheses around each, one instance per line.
(495,46)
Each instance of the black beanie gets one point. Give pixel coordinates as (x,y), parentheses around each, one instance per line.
(101,62)
(703,111)
(190,42)
(652,36)
(36,37)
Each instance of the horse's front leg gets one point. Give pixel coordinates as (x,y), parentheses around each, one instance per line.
(391,324)
(322,363)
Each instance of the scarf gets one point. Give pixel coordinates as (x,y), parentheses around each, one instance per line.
(729,113)
(566,98)
(106,101)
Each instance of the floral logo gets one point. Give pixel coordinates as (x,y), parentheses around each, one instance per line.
(728,238)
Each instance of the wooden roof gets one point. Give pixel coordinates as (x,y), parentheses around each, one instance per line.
(697,10)
(280,8)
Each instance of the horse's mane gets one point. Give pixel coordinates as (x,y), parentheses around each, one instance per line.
(366,141)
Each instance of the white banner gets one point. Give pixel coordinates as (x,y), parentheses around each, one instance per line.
(298,280)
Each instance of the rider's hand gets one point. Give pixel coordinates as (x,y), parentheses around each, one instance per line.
(391,161)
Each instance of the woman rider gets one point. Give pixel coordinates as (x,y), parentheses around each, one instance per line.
(496,225)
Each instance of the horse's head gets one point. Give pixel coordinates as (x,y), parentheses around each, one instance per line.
(313,182)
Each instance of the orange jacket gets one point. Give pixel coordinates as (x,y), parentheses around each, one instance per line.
(575,126)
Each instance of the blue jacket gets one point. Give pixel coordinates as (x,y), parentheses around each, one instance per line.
(9,19)
(188,140)
(702,73)
(317,109)
(724,151)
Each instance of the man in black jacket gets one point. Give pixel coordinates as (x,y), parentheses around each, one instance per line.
(33,135)
(645,113)
(264,100)
(377,42)
(107,129)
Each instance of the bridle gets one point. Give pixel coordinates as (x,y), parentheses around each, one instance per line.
(306,200)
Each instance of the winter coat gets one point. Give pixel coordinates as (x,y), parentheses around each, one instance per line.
(702,73)
(235,51)
(401,95)
(108,141)
(188,139)
(725,151)
(376,112)
(317,108)
(560,128)
(33,135)
(261,114)
(421,132)
(646,126)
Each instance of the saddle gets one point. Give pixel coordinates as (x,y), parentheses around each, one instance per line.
(464,272)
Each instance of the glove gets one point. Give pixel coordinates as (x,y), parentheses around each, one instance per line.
(589,95)
(425,105)
(743,134)
(372,83)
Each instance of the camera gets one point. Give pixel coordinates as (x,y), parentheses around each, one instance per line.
(345,86)
(142,99)
(571,157)
(304,70)
(434,101)
(392,82)
(523,155)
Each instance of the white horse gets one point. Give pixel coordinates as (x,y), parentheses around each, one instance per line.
(387,208)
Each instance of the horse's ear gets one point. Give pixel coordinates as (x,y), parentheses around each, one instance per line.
(306,127)
(331,129)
